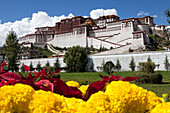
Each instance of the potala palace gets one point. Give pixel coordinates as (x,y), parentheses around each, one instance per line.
(106,31)
(111,32)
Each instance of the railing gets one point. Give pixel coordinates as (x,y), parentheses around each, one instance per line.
(49,46)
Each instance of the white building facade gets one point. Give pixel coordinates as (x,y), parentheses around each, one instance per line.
(106,32)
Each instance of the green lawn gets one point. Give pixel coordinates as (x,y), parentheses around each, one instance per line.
(89,77)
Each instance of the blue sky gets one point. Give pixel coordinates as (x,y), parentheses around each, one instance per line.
(12,10)
(18,14)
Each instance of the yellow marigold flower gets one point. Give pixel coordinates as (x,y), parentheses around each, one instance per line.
(83,89)
(15,98)
(84,107)
(47,102)
(161,99)
(162,108)
(73,104)
(152,100)
(100,102)
(73,84)
(166,97)
(129,98)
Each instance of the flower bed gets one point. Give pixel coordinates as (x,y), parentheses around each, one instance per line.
(51,95)
(119,97)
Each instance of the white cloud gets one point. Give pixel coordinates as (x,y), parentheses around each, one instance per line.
(101,12)
(142,13)
(155,16)
(28,25)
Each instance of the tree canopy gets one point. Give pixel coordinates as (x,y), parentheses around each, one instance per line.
(132,64)
(167,14)
(166,63)
(12,50)
(109,67)
(57,64)
(76,59)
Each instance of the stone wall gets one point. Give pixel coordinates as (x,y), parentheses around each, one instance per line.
(157,57)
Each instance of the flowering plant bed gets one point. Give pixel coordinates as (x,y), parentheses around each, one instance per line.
(110,95)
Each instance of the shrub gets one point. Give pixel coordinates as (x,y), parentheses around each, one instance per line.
(109,67)
(147,67)
(154,78)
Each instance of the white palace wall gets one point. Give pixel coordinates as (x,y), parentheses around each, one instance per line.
(69,40)
(157,57)
(114,35)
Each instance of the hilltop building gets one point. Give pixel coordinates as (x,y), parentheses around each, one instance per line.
(106,32)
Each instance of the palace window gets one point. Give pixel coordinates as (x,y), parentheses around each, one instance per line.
(136,35)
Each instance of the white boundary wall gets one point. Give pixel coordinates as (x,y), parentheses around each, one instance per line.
(157,57)
(42,61)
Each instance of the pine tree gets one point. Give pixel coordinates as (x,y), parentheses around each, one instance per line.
(103,63)
(22,68)
(12,50)
(91,67)
(47,64)
(167,14)
(166,63)
(118,66)
(38,66)
(57,64)
(31,67)
(149,59)
(76,59)
(132,64)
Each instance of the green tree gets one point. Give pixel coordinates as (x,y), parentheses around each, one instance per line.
(91,67)
(57,64)
(12,50)
(76,59)
(109,67)
(118,65)
(155,42)
(103,63)
(147,67)
(167,14)
(38,66)
(31,67)
(22,68)
(132,64)
(149,59)
(47,64)
(166,63)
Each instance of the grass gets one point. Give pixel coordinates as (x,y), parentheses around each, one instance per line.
(89,77)
(159,89)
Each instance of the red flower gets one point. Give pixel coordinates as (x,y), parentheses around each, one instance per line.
(116,78)
(3,64)
(26,68)
(45,85)
(95,87)
(11,76)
